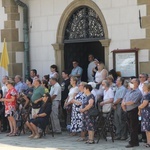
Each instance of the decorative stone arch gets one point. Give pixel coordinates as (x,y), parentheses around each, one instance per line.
(59,45)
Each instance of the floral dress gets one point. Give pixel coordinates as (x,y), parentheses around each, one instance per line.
(145,115)
(76,116)
(10,107)
(88,122)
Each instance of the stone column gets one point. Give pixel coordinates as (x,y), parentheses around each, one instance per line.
(105,43)
(59,55)
(11,34)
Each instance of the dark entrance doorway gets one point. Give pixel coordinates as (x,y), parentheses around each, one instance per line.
(80,52)
(83,32)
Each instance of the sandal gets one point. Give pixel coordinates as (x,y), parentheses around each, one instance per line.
(9,134)
(13,134)
(91,142)
(147,145)
(73,134)
(87,142)
(81,139)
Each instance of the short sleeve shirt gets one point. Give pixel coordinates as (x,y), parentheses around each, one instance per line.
(9,94)
(147,97)
(120,93)
(78,70)
(72,92)
(56,90)
(37,93)
(108,94)
(86,101)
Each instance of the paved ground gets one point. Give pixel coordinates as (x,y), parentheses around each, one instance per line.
(59,142)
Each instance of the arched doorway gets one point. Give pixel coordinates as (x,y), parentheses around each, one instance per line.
(82,35)
(61,40)
(80,52)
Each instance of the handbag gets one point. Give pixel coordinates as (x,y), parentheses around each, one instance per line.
(106,108)
(93,112)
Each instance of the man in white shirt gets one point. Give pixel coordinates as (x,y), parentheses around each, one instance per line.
(55,93)
(90,68)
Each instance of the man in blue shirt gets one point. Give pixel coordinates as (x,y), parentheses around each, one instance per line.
(130,104)
(76,71)
(19,85)
(119,116)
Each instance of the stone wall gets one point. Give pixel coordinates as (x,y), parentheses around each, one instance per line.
(121,16)
(44,19)
(10,32)
(3,17)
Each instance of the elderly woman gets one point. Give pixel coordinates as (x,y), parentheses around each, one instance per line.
(76,117)
(108,97)
(71,95)
(10,106)
(144,111)
(88,122)
(40,119)
(110,79)
(101,74)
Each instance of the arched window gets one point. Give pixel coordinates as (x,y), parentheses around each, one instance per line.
(84,25)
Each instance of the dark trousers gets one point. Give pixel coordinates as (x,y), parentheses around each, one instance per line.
(132,118)
(4,119)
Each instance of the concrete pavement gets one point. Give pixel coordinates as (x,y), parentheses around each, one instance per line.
(59,142)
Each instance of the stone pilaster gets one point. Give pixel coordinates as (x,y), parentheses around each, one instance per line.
(144,43)
(11,34)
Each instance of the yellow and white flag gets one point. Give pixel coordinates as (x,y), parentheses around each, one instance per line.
(4,62)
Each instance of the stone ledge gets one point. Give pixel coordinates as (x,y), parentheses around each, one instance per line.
(140,43)
(141,2)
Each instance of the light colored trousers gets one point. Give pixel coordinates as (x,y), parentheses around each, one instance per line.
(120,122)
(54,116)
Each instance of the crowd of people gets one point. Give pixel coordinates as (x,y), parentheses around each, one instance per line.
(129,100)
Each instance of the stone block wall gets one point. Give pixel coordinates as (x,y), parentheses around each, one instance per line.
(10,32)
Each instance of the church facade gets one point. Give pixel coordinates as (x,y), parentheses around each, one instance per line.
(63,30)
